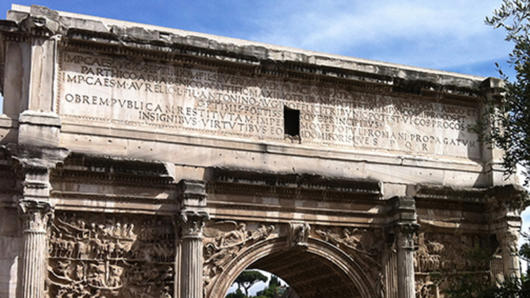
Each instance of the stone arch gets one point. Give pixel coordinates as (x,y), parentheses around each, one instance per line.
(348,272)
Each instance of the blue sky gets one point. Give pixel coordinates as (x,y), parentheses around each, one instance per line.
(448,35)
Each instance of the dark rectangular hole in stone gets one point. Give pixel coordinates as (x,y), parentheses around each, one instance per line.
(291,122)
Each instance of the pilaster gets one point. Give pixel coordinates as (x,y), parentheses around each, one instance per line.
(492,90)
(192,216)
(39,129)
(30,59)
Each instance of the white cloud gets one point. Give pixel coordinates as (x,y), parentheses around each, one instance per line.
(436,34)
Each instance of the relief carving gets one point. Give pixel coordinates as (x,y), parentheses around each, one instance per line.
(224,240)
(35,215)
(429,255)
(441,257)
(406,235)
(112,256)
(427,287)
(298,234)
(509,238)
(445,252)
(192,222)
(362,244)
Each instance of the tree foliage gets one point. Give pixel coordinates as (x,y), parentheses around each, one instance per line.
(511,115)
(273,290)
(248,278)
(469,287)
(236,294)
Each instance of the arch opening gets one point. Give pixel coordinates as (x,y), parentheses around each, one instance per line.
(309,275)
(316,270)
(260,283)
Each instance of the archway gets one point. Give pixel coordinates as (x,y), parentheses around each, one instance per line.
(317,269)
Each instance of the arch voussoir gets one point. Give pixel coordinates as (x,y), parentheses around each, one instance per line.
(344,267)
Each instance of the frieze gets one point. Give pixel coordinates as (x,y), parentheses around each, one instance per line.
(447,252)
(427,286)
(110,255)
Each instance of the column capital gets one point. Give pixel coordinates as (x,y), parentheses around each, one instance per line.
(35,215)
(32,166)
(406,228)
(405,235)
(191,217)
(192,213)
(403,226)
(508,200)
(192,223)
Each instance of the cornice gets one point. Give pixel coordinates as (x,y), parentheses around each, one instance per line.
(146,40)
(295,186)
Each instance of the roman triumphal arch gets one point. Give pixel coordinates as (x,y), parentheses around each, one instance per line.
(141,161)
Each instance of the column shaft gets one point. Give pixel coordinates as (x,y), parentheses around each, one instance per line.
(405,259)
(35,216)
(191,218)
(510,253)
(33,264)
(405,227)
(192,263)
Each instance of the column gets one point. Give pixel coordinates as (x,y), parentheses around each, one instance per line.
(34,213)
(191,251)
(405,259)
(192,216)
(506,203)
(35,216)
(404,227)
(33,164)
(508,241)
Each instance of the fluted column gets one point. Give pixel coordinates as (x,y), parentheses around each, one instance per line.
(509,239)
(404,227)
(505,206)
(35,216)
(191,251)
(34,156)
(191,218)
(405,260)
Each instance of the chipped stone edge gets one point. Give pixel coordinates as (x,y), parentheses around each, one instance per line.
(130,34)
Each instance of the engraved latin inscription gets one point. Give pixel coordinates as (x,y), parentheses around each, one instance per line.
(181,99)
